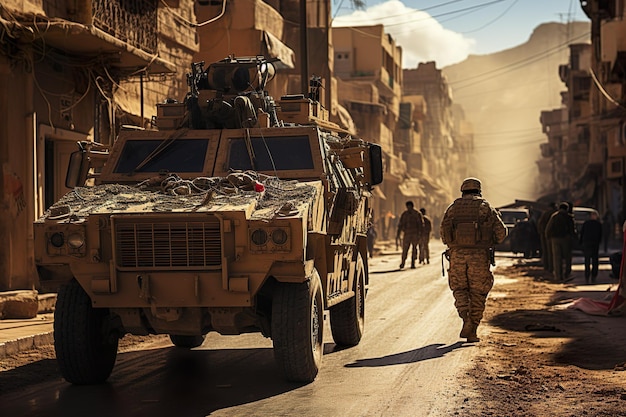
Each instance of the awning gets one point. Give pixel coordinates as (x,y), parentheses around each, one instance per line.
(430,186)
(377,192)
(274,48)
(345,119)
(411,188)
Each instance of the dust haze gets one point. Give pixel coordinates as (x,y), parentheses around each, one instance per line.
(503,95)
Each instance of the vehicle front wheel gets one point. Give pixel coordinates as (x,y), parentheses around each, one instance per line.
(298,328)
(84,341)
(187,342)
(347,319)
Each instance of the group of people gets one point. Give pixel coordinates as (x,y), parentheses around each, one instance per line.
(558,233)
(471,228)
(414,227)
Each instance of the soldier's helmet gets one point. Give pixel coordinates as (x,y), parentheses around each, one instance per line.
(470,183)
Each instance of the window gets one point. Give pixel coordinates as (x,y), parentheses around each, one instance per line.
(181,155)
(283,153)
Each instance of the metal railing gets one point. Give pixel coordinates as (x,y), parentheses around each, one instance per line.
(133,21)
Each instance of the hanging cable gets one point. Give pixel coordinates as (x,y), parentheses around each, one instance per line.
(603,90)
(191,24)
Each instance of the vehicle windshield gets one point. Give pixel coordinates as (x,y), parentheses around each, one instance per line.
(282,153)
(183,155)
(582,215)
(512,217)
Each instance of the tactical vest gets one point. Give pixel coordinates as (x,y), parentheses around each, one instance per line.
(468,228)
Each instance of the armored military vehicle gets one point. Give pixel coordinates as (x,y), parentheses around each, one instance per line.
(234,214)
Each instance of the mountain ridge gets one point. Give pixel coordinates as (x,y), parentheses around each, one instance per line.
(503,94)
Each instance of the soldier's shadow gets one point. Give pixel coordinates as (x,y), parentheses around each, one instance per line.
(436,350)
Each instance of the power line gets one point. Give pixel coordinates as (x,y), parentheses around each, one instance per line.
(429,17)
(493,20)
(515,65)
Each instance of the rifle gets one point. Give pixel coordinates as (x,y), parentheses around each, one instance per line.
(445,254)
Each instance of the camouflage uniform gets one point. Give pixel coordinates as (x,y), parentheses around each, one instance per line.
(411,224)
(425,239)
(469,276)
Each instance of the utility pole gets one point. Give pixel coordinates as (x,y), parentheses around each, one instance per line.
(304,51)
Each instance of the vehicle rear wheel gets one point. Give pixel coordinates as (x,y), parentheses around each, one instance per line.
(186,342)
(85,345)
(347,319)
(298,328)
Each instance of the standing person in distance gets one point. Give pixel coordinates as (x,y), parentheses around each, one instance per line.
(546,249)
(471,228)
(590,238)
(561,232)
(411,224)
(425,238)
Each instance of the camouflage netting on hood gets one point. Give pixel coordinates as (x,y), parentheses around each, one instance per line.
(271,196)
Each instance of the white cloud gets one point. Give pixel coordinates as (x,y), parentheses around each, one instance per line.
(421,37)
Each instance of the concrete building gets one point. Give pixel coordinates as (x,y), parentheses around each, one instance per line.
(586,149)
(446,139)
(367,65)
(75,71)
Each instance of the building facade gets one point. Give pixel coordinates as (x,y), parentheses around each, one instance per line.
(585,154)
(75,71)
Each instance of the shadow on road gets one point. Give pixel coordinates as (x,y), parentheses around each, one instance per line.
(158,382)
(436,350)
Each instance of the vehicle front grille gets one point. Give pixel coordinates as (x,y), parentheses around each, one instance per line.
(142,243)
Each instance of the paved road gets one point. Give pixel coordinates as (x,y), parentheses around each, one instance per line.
(405,365)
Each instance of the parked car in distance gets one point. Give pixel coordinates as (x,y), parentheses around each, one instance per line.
(582,214)
(510,217)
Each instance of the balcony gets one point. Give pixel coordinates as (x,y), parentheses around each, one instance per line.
(135,22)
(125,33)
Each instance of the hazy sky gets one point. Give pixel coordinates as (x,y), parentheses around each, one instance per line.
(446,31)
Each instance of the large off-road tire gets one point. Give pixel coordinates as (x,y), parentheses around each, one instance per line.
(85,346)
(347,319)
(298,328)
(186,342)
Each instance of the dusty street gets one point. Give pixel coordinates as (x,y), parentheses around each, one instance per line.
(536,358)
(543,359)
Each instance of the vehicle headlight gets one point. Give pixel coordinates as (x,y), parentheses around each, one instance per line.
(279,236)
(57,240)
(76,240)
(259,237)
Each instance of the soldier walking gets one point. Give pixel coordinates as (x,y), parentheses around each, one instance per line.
(470,228)
(411,225)
(425,238)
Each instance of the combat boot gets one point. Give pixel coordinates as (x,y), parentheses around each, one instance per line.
(467,326)
(472,337)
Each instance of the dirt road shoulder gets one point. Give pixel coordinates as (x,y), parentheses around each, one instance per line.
(538,357)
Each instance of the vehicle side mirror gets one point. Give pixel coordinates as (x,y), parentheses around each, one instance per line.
(77,169)
(376,164)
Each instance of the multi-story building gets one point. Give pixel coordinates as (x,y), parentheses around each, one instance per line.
(555,125)
(446,138)
(608,74)
(75,71)
(367,65)
(586,149)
